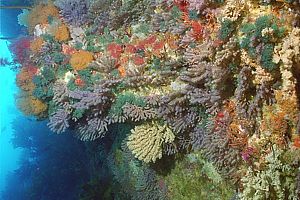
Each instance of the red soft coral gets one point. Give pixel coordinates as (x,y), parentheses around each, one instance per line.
(20,49)
(115,50)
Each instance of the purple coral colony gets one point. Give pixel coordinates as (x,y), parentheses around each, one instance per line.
(201,96)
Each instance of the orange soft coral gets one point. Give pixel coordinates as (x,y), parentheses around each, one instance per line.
(81,59)
(24,79)
(288,105)
(62,33)
(40,15)
(237,129)
(122,71)
(296,142)
(36,44)
(30,105)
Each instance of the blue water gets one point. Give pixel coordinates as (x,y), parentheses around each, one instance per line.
(35,164)
(8,112)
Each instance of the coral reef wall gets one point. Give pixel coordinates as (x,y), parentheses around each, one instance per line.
(211,80)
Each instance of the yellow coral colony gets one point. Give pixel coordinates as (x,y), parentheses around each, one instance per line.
(40,15)
(36,44)
(30,105)
(146,141)
(24,80)
(62,33)
(81,59)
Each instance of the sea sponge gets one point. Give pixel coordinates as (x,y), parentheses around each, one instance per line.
(146,141)
(62,33)
(81,59)
(36,44)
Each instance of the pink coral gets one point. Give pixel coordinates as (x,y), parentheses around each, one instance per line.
(197,4)
(20,49)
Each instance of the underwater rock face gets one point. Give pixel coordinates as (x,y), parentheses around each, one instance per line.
(218,78)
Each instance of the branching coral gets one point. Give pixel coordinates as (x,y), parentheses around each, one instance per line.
(200,77)
(287,53)
(216,145)
(233,10)
(58,122)
(95,128)
(146,141)
(74,12)
(116,112)
(274,181)
(197,4)
(104,64)
(136,113)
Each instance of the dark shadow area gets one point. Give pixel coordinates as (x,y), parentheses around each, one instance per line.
(52,167)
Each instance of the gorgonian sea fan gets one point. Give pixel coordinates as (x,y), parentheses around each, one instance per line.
(74,12)
(20,49)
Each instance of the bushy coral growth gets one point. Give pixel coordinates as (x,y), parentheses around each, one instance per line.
(41,14)
(195,178)
(30,105)
(20,49)
(276,179)
(81,59)
(36,44)
(74,12)
(62,33)
(24,78)
(267,30)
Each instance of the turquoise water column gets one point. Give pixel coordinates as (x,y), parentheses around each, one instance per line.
(8,111)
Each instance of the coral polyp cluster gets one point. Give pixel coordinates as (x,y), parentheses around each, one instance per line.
(220,77)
